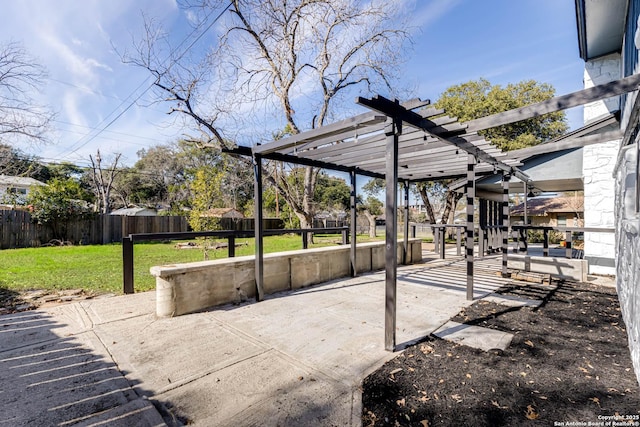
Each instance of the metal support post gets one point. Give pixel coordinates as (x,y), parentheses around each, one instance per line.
(392,129)
(258,226)
(471,178)
(305,242)
(127,265)
(491,224)
(405,234)
(458,242)
(505,224)
(568,245)
(545,247)
(524,243)
(352,203)
(482,228)
(231,246)
(434,232)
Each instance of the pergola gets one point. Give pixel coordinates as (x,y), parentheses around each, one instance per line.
(410,142)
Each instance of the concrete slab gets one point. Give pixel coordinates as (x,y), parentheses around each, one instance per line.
(162,354)
(297,358)
(105,310)
(513,301)
(342,347)
(59,382)
(137,413)
(266,390)
(474,336)
(30,327)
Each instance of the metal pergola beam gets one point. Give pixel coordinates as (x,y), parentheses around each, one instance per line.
(246,151)
(574,99)
(454,138)
(321,132)
(565,144)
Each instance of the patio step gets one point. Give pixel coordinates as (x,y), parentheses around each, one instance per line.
(474,336)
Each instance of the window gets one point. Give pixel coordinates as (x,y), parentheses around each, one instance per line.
(562,220)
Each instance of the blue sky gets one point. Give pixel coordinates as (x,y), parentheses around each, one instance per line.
(88,86)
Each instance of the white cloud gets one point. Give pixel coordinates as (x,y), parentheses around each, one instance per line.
(434,10)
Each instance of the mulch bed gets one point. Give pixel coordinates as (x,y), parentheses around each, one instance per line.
(568,364)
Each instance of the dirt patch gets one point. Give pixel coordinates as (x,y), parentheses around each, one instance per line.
(568,363)
(14,302)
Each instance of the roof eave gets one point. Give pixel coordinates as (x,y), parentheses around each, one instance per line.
(582,28)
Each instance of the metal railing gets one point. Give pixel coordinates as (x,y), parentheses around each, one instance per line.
(439,237)
(230,235)
(520,235)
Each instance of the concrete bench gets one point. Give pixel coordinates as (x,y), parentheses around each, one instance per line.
(189,287)
(565,268)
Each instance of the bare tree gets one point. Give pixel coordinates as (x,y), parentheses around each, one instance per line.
(102,180)
(575,202)
(283,62)
(20,117)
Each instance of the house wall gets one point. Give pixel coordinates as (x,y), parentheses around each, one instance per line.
(627,219)
(20,193)
(550,220)
(597,169)
(628,252)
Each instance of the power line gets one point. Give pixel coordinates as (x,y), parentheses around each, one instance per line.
(108,131)
(54,162)
(174,61)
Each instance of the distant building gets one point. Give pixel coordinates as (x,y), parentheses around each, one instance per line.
(14,189)
(135,211)
(223,213)
(418,208)
(551,211)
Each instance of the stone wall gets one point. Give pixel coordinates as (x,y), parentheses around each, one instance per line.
(628,252)
(598,71)
(189,287)
(597,168)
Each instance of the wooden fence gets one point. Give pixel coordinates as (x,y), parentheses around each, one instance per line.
(17,230)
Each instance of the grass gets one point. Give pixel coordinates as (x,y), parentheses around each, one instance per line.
(98,268)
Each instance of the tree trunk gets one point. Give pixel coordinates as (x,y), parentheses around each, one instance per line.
(450,205)
(303,209)
(427,203)
(372,223)
(306,221)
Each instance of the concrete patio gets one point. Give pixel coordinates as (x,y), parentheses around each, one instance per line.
(297,358)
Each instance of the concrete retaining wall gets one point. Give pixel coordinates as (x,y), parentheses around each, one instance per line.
(189,287)
(565,268)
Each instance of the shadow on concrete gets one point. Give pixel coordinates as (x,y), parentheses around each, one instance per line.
(53,375)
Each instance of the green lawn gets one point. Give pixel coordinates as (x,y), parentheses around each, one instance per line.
(99,267)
